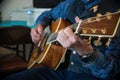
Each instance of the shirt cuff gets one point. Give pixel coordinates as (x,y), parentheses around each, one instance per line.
(90,58)
(98,61)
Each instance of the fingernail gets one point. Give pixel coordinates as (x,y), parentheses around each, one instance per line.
(39,31)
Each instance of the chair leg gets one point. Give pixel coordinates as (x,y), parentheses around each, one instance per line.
(24,51)
(17,49)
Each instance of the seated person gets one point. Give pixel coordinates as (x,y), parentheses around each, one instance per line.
(89,62)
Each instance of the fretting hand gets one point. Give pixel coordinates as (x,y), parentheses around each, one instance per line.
(69,40)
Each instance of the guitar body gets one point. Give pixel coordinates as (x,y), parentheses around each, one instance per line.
(52,55)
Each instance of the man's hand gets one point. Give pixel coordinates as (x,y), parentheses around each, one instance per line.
(36,33)
(68,39)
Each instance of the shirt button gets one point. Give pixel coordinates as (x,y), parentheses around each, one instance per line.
(74,52)
(72,63)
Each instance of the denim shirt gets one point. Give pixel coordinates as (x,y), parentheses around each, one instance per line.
(60,11)
(107,63)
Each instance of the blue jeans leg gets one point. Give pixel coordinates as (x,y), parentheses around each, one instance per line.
(80,76)
(43,73)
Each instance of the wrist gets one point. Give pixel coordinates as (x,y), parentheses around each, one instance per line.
(89,58)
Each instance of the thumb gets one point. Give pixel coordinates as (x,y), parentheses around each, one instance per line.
(77,19)
(40,29)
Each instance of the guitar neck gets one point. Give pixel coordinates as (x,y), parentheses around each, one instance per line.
(100,26)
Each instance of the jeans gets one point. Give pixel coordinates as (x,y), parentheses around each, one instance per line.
(45,73)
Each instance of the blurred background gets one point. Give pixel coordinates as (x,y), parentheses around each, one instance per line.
(17,17)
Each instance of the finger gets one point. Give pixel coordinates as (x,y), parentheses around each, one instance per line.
(34,33)
(73,39)
(64,43)
(39,30)
(35,36)
(61,38)
(35,40)
(68,31)
(77,19)
(63,35)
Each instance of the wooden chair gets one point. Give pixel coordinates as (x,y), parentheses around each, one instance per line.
(15,35)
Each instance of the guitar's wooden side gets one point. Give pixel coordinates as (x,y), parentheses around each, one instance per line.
(33,57)
(52,55)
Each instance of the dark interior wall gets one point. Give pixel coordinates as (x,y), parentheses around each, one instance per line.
(45,3)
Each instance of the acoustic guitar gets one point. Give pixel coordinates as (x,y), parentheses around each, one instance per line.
(49,53)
